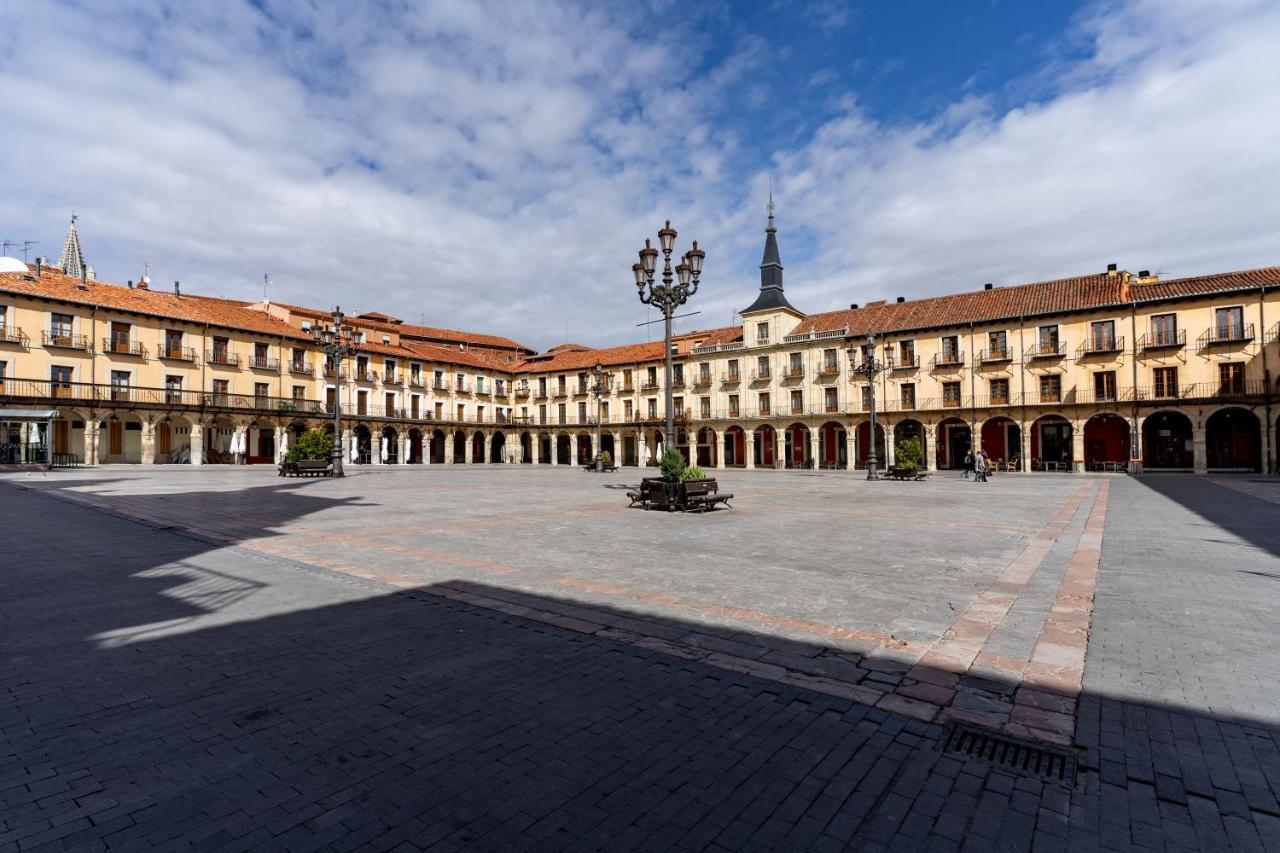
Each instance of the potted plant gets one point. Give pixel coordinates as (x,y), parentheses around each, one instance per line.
(908,453)
(312,449)
(672,466)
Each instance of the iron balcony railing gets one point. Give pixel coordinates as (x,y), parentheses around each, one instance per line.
(65,340)
(702,379)
(225,358)
(301,370)
(1226,333)
(677,381)
(731,378)
(366,375)
(793,371)
(260,362)
(177,352)
(829,369)
(898,362)
(391,378)
(1102,345)
(438,385)
(1047,349)
(45,389)
(1063,396)
(948,359)
(762,375)
(995,354)
(1163,340)
(14,335)
(522,392)
(330,373)
(124,346)
(648,386)
(417,381)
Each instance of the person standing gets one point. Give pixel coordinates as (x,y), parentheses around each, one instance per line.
(980,467)
(968,463)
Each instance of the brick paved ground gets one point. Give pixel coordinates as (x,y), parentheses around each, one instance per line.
(402,658)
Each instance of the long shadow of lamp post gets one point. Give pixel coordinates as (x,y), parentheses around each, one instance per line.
(667,297)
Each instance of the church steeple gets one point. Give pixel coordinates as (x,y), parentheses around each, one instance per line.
(771,295)
(71,262)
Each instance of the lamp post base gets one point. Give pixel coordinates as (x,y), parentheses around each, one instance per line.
(873,468)
(337,464)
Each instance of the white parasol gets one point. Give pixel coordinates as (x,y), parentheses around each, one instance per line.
(385,455)
(355,450)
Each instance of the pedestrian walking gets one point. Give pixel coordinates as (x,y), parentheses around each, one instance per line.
(968,463)
(980,467)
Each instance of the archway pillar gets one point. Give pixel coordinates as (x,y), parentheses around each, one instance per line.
(573,450)
(197,442)
(282,443)
(1199,454)
(375,447)
(148,443)
(1025,462)
(488,441)
(719,436)
(535,447)
(931,451)
(1077,447)
(890,447)
(813,447)
(91,441)
(642,449)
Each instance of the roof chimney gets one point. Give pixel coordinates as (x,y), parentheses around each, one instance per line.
(902,299)
(988,286)
(144,283)
(1111,269)
(177,288)
(39,265)
(1144,273)
(853,306)
(83,273)
(129,283)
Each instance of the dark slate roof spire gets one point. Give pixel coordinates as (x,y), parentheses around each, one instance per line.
(771,295)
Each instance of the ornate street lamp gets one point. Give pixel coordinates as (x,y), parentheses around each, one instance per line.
(667,297)
(337,344)
(869,368)
(601,383)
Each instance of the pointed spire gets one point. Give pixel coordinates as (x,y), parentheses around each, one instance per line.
(71,261)
(771,295)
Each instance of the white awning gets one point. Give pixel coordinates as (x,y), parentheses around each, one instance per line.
(28,414)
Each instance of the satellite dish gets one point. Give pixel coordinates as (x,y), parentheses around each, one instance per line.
(12,265)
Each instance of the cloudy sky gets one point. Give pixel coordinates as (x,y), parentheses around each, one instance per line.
(495,166)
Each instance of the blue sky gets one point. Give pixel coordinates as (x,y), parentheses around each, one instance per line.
(495,165)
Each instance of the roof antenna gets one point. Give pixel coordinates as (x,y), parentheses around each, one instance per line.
(771,200)
(27,244)
(266,282)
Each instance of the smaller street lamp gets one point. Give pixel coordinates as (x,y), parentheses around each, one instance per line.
(601,384)
(869,368)
(337,343)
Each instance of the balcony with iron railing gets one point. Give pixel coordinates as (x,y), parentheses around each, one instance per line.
(522,392)
(222,358)
(829,370)
(14,335)
(262,362)
(648,385)
(762,375)
(169,398)
(702,380)
(1163,340)
(391,377)
(1047,349)
(677,381)
(898,362)
(65,340)
(793,371)
(440,385)
(995,355)
(730,378)
(178,353)
(416,380)
(1225,334)
(560,393)
(124,346)
(1096,345)
(948,360)
(1063,396)
(364,374)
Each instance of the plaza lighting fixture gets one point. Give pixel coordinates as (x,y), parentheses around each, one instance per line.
(336,342)
(667,296)
(601,383)
(869,368)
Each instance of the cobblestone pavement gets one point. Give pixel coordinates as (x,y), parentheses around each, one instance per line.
(507,659)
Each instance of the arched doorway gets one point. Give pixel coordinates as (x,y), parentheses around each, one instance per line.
(173,440)
(1167,442)
(260,444)
(364,445)
(1051,443)
(766,443)
(1106,442)
(796,442)
(584,449)
(415,446)
(459,447)
(477,447)
(498,447)
(437,447)
(545,446)
(217,441)
(864,445)
(607,446)
(706,447)
(1002,441)
(526,449)
(735,447)
(389,446)
(562,450)
(955,439)
(833,449)
(682,444)
(1233,440)
(907,430)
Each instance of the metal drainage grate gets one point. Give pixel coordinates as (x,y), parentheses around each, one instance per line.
(1051,765)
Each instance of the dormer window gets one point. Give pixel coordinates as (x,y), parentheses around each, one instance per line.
(762,333)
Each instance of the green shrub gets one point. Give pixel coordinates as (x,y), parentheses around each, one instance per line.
(606,457)
(312,444)
(672,466)
(693,472)
(909,453)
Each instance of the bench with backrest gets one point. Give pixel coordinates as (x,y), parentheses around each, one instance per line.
(645,494)
(703,494)
(307,468)
(906,472)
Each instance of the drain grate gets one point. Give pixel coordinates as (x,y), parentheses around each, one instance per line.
(1051,765)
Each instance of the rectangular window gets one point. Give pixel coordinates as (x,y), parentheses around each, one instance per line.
(415,373)
(1102,336)
(460,381)
(119,385)
(762,367)
(704,373)
(1048,340)
(997,345)
(677,404)
(704,407)
(764,405)
(299,392)
(542,386)
(1104,386)
(389,404)
(220,353)
(999,392)
(627,382)
(651,377)
(734,412)
(1051,389)
(1166,381)
(119,337)
(362,402)
(628,410)
(60,380)
(414,406)
(604,412)
(762,333)
(1164,330)
(830,400)
(562,413)
(582,412)
(866,398)
(653,408)
(677,375)
(951,349)
(479,414)
(562,384)
(795,366)
(1231,378)
(298,359)
(437,381)
(1229,323)
(542,413)
(221,391)
(261,391)
(173,389)
(582,383)
(389,371)
(907,353)
(260,356)
(733,370)
(830,361)
(462,411)
(951,395)
(908,393)
(500,387)
(60,327)
(480,385)
(797,402)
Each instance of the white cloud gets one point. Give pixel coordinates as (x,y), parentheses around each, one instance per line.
(496,165)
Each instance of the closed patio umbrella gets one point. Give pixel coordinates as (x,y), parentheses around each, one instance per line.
(355,450)
(385,455)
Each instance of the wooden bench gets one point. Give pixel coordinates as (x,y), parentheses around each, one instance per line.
(307,468)
(906,472)
(591,466)
(703,494)
(644,495)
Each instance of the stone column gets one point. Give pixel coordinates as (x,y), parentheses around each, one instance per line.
(749,450)
(1025,430)
(573,450)
(851,446)
(535,448)
(1077,447)
(890,452)
(931,453)
(1199,450)
(197,443)
(466,449)
(617,449)
(375,447)
(346,446)
(448,448)
(719,434)
(148,443)
(642,449)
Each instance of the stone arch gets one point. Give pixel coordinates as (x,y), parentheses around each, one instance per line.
(766,446)
(362,436)
(1167,438)
(1233,440)
(796,446)
(477,446)
(954,439)
(459,447)
(526,448)
(415,446)
(173,439)
(907,429)
(833,446)
(1051,443)
(390,439)
(437,446)
(706,449)
(69,433)
(607,445)
(217,440)
(735,447)
(498,447)
(583,442)
(864,445)
(1001,438)
(563,445)
(1106,440)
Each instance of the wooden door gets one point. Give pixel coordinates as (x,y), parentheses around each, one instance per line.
(164,439)
(115,434)
(61,436)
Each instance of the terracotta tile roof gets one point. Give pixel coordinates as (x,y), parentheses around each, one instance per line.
(573,360)
(485,359)
(460,337)
(222,313)
(708,337)
(1205,284)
